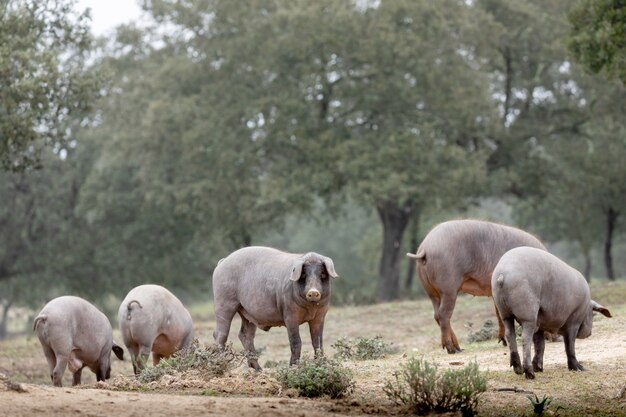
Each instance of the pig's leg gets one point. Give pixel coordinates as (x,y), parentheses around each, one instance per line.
(59,369)
(528,330)
(539,341)
(246,335)
(443,316)
(50,358)
(142,358)
(570,338)
(156,358)
(316,328)
(293,330)
(77,376)
(134,352)
(501,329)
(224,313)
(509,333)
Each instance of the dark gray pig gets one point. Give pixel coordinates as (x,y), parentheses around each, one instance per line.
(73,333)
(152,319)
(459,255)
(542,293)
(270,288)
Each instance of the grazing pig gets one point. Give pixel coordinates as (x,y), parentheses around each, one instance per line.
(153,320)
(74,333)
(459,255)
(542,293)
(269,288)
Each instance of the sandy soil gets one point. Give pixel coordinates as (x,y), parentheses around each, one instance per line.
(409,325)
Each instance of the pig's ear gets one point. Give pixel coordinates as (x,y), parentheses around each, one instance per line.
(330,267)
(600,309)
(296,270)
(119,352)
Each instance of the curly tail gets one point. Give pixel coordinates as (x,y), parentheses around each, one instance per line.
(419,255)
(129,307)
(41,318)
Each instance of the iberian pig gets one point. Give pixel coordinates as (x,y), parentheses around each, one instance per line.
(152,319)
(542,293)
(73,333)
(269,288)
(459,255)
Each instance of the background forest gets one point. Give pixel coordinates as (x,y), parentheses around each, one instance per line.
(345,127)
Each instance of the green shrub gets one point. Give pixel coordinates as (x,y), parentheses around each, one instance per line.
(210,360)
(421,388)
(540,406)
(362,348)
(317,377)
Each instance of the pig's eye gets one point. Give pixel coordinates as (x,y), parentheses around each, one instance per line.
(324,275)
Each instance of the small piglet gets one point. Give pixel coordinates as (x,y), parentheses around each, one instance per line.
(152,319)
(269,288)
(73,333)
(543,294)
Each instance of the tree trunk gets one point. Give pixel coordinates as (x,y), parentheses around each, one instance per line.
(395,220)
(414,242)
(611,222)
(508,83)
(3,320)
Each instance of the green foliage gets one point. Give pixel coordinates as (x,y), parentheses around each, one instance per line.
(363,348)
(539,406)
(45,85)
(317,377)
(597,36)
(422,389)
(210,360)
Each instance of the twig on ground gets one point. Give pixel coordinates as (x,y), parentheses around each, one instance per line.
(512,389)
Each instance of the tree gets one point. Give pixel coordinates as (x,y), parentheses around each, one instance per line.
(44,79)
(597,36)
(340,99)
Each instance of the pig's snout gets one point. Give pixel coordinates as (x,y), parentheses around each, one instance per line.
(313,295)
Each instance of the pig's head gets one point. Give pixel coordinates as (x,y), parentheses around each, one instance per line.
(311,274)
(585,328)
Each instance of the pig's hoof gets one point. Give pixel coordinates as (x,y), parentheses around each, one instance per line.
(529,375)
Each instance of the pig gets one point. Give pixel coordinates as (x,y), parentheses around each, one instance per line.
(459,255)
(152,319)
(74,333)
(542,293)
(270,288)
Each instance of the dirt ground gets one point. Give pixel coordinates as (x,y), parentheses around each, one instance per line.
(408,325)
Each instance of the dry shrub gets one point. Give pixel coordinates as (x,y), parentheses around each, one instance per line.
(363,348)
(488,331)
(209,361)
(422,389)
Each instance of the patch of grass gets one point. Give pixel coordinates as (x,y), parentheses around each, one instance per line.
(210,360)
(316,378)
(421,388)
(362,348)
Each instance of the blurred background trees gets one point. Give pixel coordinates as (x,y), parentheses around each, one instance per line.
(345,127)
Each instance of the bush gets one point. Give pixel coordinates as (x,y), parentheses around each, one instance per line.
(210,360)
(317,377)
(362,348)
(419,387)
(489,331)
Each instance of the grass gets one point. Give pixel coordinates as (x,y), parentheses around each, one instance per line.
(410,326)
